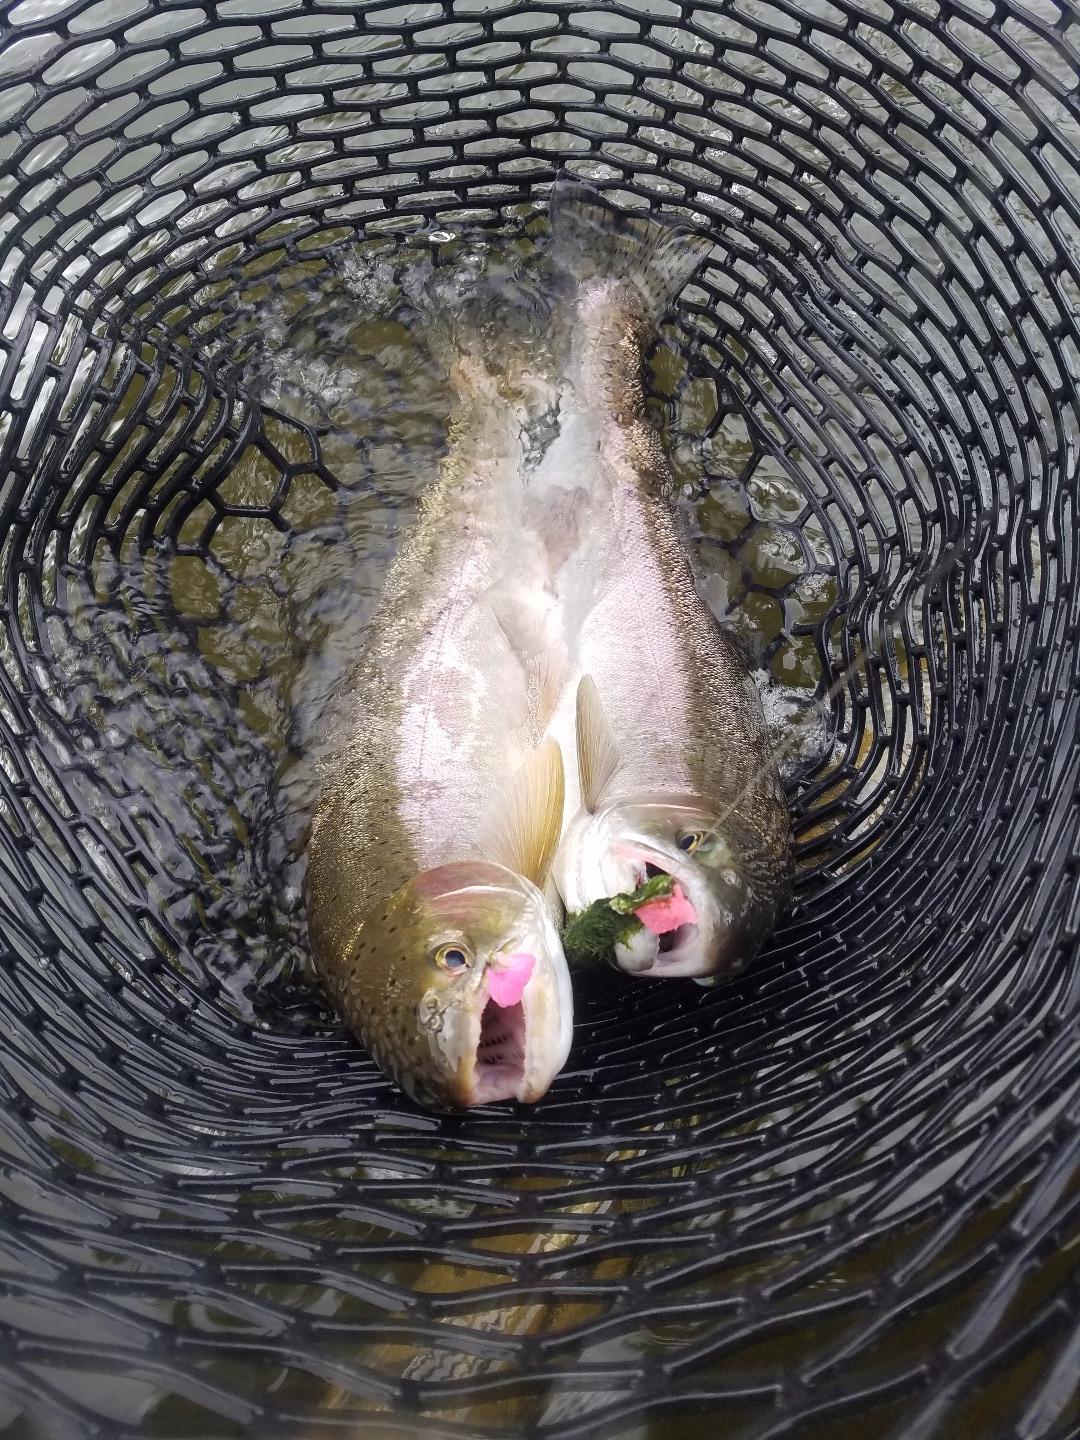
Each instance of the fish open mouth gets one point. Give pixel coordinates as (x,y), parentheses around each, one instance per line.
(672,944)
(499,1068)
(675,944)
(661,950)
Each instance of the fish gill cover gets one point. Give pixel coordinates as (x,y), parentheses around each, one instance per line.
(834,1198)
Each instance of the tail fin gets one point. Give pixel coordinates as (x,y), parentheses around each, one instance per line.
(594,238)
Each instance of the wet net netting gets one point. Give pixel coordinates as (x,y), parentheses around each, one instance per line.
(834,1198)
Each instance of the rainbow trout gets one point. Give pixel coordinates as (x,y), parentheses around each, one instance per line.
(440,799)
(674,773)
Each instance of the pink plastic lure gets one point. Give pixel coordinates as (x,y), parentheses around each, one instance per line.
(507,983)
(668,912)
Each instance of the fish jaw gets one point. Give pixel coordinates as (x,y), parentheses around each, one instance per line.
(522,1019)
(549,1012)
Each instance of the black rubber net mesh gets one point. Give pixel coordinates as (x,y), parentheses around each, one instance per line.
(834,1198)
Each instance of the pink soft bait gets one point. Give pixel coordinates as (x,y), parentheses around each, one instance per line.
(508,977)
(667,912)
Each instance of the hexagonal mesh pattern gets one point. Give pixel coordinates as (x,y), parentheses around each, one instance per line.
(834,1199)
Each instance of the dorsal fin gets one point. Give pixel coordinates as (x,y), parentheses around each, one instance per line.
(527,820)
(597,750)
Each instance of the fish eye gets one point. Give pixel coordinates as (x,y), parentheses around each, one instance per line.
(452,958)
(689,840)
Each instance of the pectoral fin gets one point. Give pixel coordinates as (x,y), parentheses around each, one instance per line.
(597,748)
(528,818)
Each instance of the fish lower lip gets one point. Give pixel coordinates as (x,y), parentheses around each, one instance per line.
(673,950)
(676,948)
(637,956)
(499,1067)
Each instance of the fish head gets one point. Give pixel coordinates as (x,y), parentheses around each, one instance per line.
(466,994)
(721,906)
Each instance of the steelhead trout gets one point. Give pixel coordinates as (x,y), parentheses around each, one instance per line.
(674,773)
(440,799)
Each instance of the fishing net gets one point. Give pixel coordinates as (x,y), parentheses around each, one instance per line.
(834,1198)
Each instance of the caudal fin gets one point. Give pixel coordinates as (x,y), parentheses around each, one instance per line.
(595,239)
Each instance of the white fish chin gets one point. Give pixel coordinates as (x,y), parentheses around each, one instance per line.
(548,1002)
(663,957)
(679,953)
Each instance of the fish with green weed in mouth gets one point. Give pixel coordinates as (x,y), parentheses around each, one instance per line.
(674,770)
(441,801)
(593,935)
